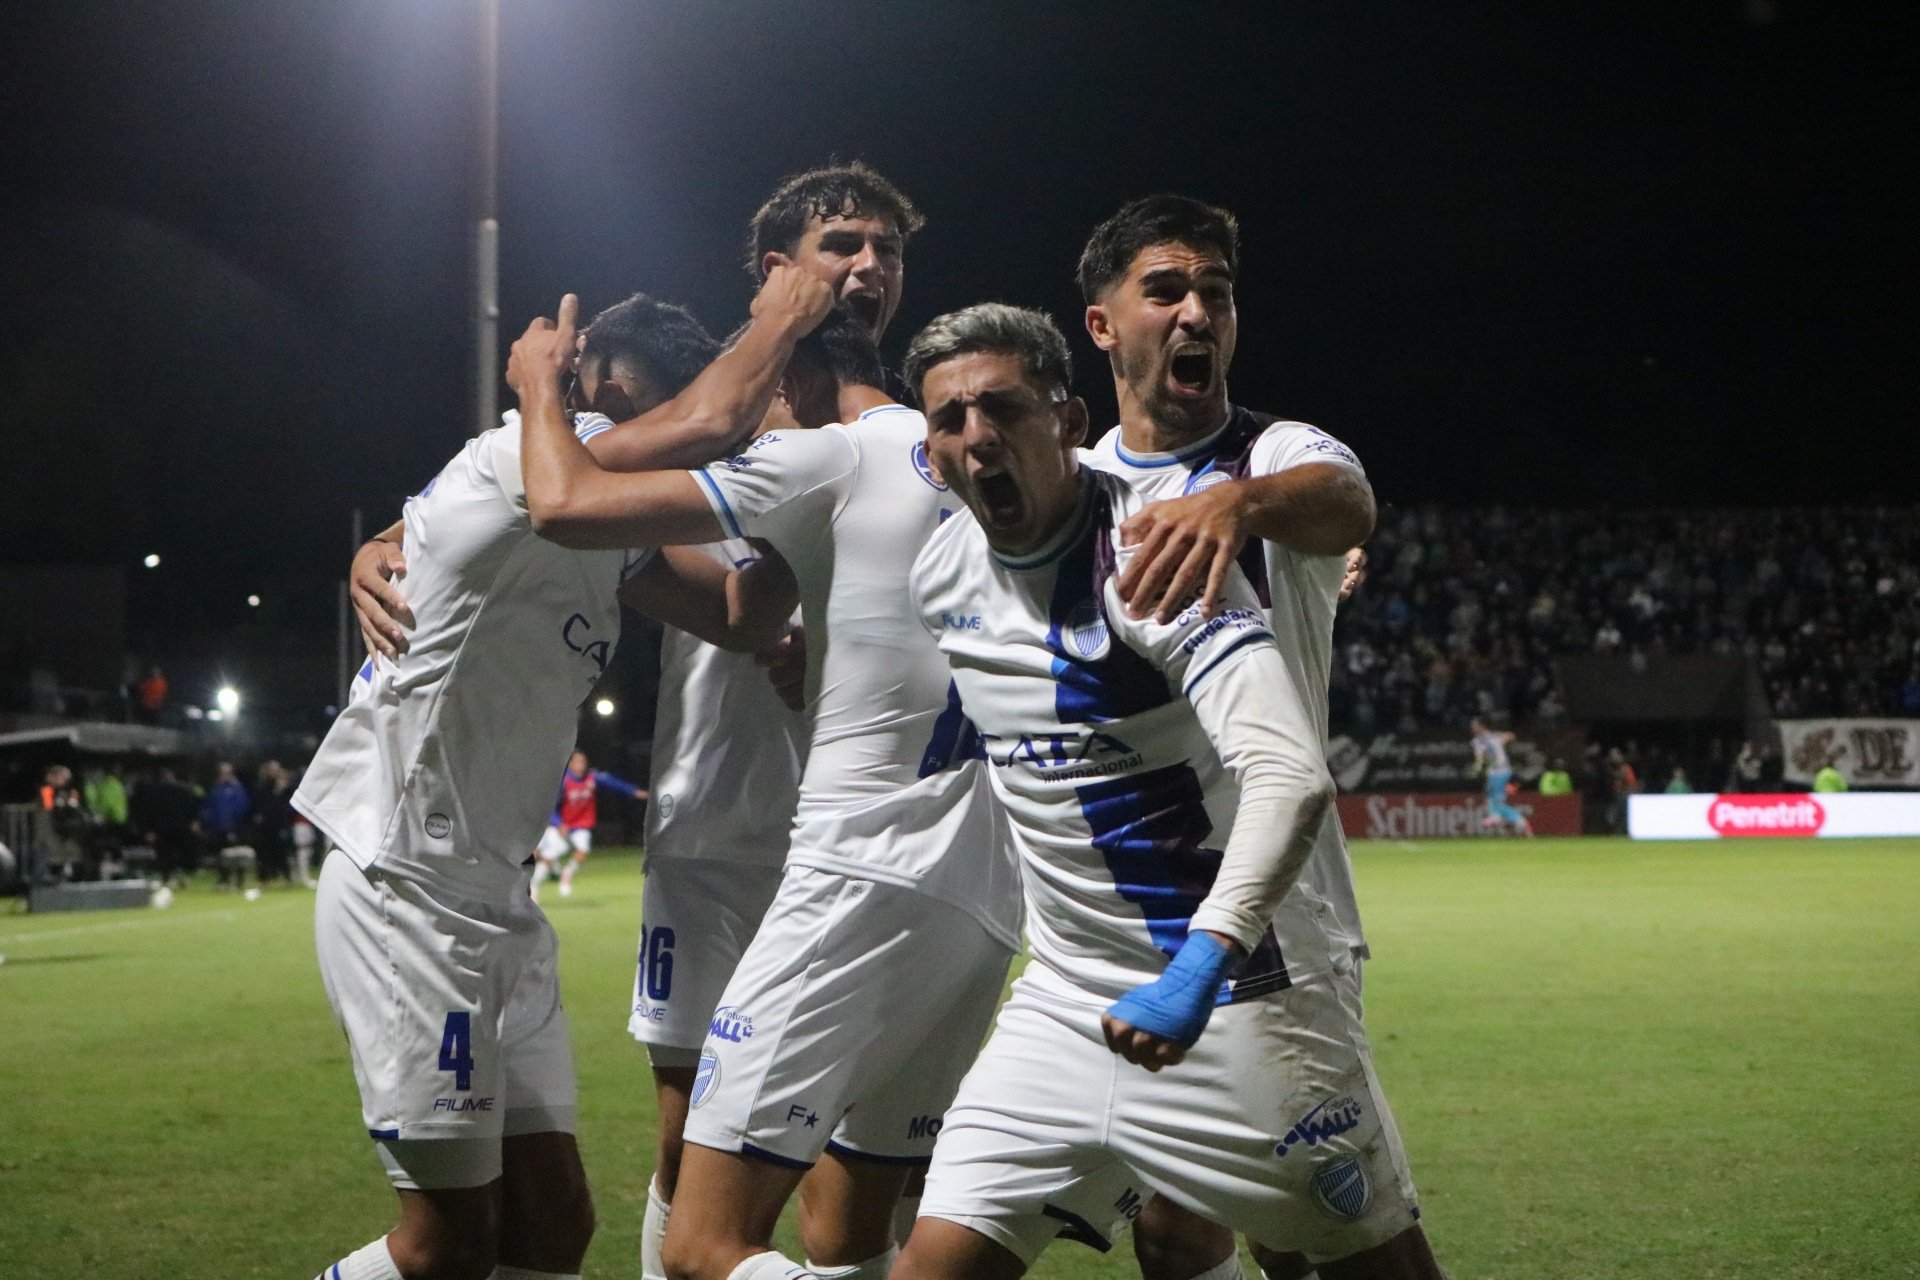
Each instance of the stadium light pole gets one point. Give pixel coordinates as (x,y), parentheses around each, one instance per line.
(486,241)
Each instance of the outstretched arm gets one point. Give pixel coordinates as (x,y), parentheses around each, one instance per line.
(1186,544)
(570,499)
(729,400)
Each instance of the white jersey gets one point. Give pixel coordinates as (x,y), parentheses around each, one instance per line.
(887,793)
(1301,592)
(726,750)
(1099,732)
(442,764)
(1491,748)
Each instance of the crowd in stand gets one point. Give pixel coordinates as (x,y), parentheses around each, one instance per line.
(1464,612)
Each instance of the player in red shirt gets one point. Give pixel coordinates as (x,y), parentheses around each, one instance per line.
(574,815)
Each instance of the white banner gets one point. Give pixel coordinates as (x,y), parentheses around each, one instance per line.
(1710,817)
(1868,753)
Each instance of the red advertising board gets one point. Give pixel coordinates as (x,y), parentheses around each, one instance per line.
(1435,814)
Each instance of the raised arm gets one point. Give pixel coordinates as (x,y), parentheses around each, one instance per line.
(729,400)
(570,498)
(1186,544)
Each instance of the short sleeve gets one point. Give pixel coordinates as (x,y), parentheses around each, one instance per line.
(1192,649)
(1293,444)
(786,483)
(503,448)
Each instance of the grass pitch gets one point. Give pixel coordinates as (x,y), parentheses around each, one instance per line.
(1607,1059)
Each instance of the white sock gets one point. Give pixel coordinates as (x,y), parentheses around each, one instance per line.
(541,870)
(653,1234)
(370,1263)
(504,1272)
(769,1266)
(905,1210)
(874,1268)
(1227,1269)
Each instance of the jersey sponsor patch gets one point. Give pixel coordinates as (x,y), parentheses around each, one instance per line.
(1328,1119)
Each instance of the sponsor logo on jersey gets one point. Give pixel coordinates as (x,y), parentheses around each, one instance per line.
(1342,1188)
(1228,620)
(924,1126)
(1085,632)
(772,437)
(1330,1118)
(1324,443)
(1066,751)
(806,1115)
(737,463)
(922,465)
(578,633)
(706,1077)
(1128,1205)
(730,1024)
(1766,816)
(439,826)
(960,621)
(463,1104)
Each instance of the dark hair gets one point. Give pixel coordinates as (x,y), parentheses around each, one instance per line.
(841,190)
(843,347)
(1149,221)
(662,338)
(995,327)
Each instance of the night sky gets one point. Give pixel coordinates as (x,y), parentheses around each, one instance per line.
(1576,255)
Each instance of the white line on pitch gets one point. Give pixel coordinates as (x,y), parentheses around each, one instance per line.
(108,925)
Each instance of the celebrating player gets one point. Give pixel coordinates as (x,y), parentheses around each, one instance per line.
(1490,756)
(1165,780)
(726,751)
(431,786)
(897,863)
(573,821)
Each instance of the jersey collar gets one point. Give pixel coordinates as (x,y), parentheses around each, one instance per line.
(1202,448)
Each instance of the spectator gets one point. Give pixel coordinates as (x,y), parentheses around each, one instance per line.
(163,810)
(273,821)
(1829,779)
(1746,769)
(1555,780)
(224,813)
(150,696)
(1677,785)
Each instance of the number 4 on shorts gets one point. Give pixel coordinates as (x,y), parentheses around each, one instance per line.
(456,1049)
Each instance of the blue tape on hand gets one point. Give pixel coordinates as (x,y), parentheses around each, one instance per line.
(1176,1005)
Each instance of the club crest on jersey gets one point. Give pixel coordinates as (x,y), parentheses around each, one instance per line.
(706,1077)
(1206,480)
(925,467)
(1342,1188)
(1085,632)
(730,1024)
(1330,1118)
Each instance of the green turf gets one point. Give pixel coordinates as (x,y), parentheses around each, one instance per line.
(1608,1060)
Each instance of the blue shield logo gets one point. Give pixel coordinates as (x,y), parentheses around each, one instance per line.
(1086,632)
(706,1077)
(1342,1188)
(925,467)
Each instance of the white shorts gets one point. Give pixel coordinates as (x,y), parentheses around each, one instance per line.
(452,1011)
(697,916)
(847,1025)
(1273,1125)
(554,843)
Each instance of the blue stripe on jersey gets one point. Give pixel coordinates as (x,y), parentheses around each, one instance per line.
(384,1135)
(1111,685)
(725,508)
(1252,637)
(953,739)
(1150,828)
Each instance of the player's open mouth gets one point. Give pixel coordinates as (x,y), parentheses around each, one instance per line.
(865,307)
(1191,369)
(999,497)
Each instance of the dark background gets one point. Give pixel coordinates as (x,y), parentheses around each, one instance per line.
(1568,254)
